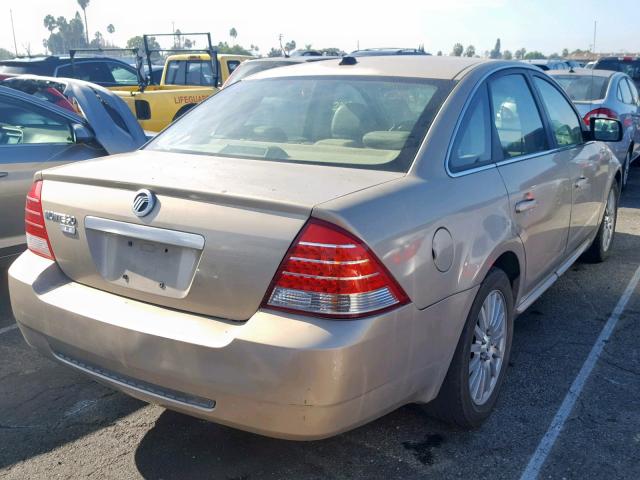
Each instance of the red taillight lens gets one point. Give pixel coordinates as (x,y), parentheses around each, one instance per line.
(329,272)
(37,238)
(600,113)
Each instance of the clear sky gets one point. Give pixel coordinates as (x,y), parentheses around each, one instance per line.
(545,25)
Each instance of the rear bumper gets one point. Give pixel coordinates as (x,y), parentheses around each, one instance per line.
(280,375)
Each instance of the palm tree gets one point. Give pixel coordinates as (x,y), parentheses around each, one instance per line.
(83,5)
(233,33)
(111,29)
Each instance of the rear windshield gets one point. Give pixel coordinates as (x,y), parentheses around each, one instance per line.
(374,122)
(630,67)
(584,88)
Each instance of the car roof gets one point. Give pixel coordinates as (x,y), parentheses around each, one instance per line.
(55,59)
(421,66)
(583,71)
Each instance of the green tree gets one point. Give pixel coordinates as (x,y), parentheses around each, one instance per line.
(289,47)
(83,5)
(274,52)
(555,56)
(332,52)
(470,51)
(5,54)
(520,53)
(138,42)
(458,49)
(64,35)
(224,47)
(495,53)
(507,55)
(233,34)
(565,52)
(535,55)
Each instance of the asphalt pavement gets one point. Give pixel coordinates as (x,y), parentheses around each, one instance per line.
(55,423)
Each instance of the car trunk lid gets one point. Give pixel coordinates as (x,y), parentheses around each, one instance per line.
(215,238)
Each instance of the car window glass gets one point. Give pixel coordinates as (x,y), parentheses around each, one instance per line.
(472,146)
(365,122)
(22,123)
(625,93)
(634,92)
(516,117)
(176,73)
(122,75)
(565,124)
(96,72)
(232,65)
(199,73)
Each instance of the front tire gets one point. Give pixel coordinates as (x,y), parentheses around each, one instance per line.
(601,246)
(470,389)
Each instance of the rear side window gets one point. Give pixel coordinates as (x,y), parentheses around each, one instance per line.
(634,91)
(565,124)
(624,93)
(516,117)
(232,65)
(472,146)
(95,72)
(123,75)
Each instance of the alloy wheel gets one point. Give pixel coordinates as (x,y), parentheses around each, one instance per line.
(488,347)
(609,221)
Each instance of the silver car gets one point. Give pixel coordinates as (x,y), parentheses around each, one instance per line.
(319,244)
(609,94)
(40,127)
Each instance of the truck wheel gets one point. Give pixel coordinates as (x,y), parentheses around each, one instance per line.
(601,246)
(182,111)
(470,389)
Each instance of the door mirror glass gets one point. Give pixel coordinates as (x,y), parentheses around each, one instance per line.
(82,134)
(605,129)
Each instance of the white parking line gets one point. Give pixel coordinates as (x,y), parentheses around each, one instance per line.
(8,329)
(546,444)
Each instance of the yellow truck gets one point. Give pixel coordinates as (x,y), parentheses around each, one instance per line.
(187,79)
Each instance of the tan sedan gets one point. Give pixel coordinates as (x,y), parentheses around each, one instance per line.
(319,244)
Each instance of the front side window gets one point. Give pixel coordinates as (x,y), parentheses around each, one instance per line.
(23,123)
(372,122)
(122,75)
(472,146)
(516,117)
(565,124)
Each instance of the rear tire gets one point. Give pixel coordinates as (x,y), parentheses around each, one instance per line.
(462,401)
(625,170)
(601,246)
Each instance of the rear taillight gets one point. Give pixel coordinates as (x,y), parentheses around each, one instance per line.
(37,238)
(329,272)
(600,113)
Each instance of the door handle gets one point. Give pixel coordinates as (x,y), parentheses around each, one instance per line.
(524,205)
(581,182)
(4,174)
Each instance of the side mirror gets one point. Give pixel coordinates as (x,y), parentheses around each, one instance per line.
(82,134)
(605,129)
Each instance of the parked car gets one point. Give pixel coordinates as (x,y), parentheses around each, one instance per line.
(626,64)
(103,71)
(590,65)
(44,128)
(298,271)
(604,93)
(545,65)
(251,67)
(385,52)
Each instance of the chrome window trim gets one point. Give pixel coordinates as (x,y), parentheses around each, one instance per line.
(488,166)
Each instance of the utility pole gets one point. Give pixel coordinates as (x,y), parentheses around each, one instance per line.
(13,29)
(595,28)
